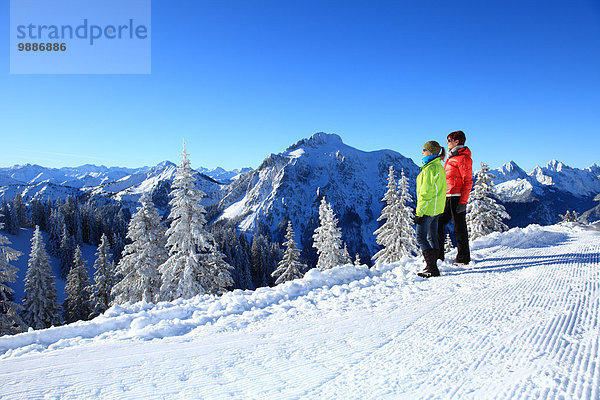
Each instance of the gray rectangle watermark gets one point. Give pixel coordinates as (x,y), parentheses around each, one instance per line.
(80,37)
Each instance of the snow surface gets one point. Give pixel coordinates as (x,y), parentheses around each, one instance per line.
(521,321)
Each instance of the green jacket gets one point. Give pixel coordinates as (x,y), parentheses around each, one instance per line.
(431,189)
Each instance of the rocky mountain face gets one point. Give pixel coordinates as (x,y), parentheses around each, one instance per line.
(290,185)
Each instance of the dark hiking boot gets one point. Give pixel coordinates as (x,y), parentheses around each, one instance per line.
(431,268)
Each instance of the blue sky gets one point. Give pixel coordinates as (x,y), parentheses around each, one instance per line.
(242,79)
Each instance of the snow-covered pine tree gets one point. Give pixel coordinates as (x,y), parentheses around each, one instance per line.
(328,239)
(10,321)
(448,244)
(77,304)
(409,245)
(357,261)
(139,267)
(388,235)
(484,214)
(259,257)
(56,227)
(219,271)
(290,266)
(187,273)
(20,210)
(396,235)
(66,252)
(9,216)
(346,255)
(104,279)
(40,304)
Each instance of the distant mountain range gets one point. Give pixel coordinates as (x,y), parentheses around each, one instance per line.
(118,183)
(289,185)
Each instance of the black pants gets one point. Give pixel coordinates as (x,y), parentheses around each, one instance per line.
(460,230)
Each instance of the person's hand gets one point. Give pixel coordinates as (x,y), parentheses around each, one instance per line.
(461,208)
(418,220)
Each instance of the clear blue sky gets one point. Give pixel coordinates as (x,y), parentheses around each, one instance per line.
(242,79)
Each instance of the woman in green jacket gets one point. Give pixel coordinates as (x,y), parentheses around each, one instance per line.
(431,200)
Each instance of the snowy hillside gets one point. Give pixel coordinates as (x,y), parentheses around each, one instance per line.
(289,186)
(521,322)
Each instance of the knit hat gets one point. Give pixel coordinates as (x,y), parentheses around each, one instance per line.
(433,147)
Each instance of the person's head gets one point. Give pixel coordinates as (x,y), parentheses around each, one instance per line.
(456,138)
(433,148)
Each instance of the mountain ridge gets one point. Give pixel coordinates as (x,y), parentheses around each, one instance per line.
(290,184)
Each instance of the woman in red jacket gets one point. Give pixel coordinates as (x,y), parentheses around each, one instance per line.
(459,178)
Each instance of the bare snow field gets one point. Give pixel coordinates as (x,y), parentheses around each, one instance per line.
(521,321)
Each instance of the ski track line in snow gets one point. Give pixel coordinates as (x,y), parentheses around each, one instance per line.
(494,353)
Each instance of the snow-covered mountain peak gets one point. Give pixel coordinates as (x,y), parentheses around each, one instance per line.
(509,171)
(594,169)
(320,140)
(579,182)
(165,164)
(555,165)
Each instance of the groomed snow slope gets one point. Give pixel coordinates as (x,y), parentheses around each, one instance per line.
(520,322)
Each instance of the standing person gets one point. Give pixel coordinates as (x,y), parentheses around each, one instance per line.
(431,197)
(459,174)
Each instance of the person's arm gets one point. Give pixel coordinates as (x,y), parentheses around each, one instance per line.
(426,193)
(466,171)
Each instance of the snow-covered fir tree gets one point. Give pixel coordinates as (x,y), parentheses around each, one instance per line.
(190,268)
(55,230)
(104,279)
(77,304)
(9,218)
(410,246)
(396,235)
(139,267)
(219,271)
(328,239)
(10,321)
(290,266)
(357,261)
(237,253)
(346,255)
(40,303)
(484,214)
(448,244)
(66,252)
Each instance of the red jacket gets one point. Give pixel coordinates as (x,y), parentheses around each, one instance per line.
(459,174)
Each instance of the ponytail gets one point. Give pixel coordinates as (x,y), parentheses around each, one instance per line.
(443,153)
